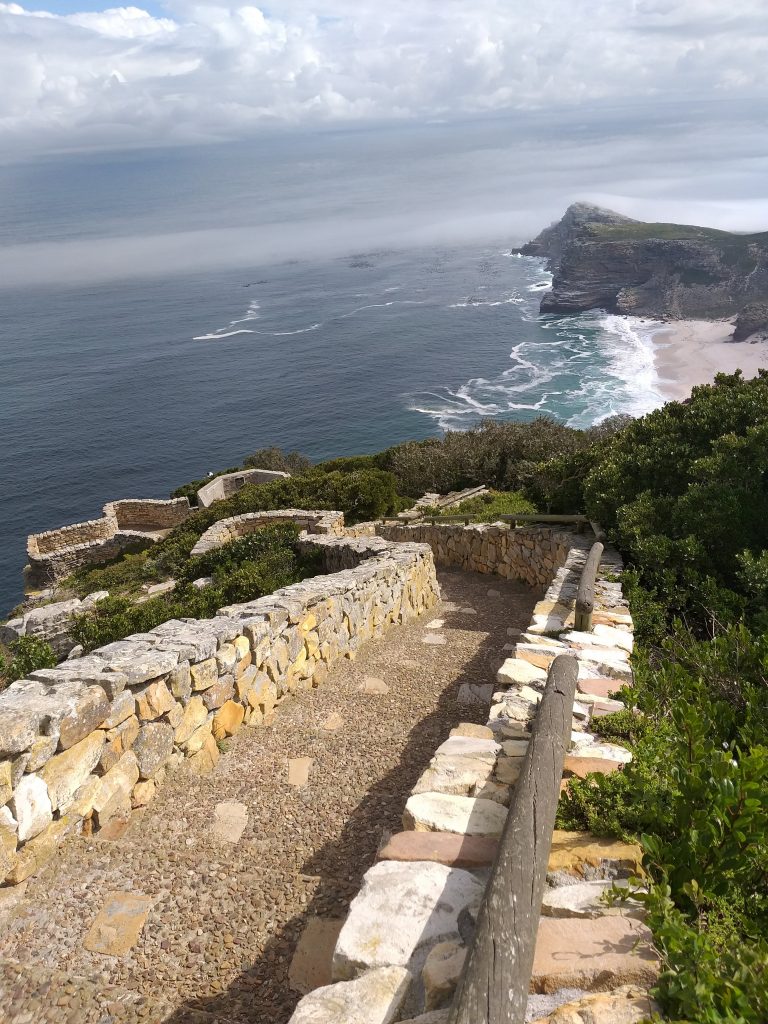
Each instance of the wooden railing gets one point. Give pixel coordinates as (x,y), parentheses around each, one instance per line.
(579,521)
(585,597)
(494,986)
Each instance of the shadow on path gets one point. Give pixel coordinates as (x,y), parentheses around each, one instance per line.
(260,994)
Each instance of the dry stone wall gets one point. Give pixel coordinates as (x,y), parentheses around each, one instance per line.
(531,554)
(226,530)
(91,739)
(128,525)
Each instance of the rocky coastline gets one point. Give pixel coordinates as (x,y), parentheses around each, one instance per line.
(601,259)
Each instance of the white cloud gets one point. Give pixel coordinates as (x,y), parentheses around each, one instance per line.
(221,70)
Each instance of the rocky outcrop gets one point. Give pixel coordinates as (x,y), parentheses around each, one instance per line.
(751,321)
(600,259)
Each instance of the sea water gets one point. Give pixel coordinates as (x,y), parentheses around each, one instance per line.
(116,385)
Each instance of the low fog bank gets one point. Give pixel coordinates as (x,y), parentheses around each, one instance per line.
(90,219)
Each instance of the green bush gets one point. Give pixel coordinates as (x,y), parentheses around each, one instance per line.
(276,459)
(504,455)
(684,493)
(28,653)
(489,506)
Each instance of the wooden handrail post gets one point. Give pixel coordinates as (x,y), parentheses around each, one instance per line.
(493,988)
(585,597)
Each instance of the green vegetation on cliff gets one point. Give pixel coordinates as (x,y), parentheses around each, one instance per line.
(684,493)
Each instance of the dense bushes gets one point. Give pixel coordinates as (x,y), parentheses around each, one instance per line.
(684,493)
(240,571)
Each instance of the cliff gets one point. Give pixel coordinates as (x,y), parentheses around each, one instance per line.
(601,259)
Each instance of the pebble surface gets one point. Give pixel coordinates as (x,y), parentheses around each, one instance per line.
(226,916)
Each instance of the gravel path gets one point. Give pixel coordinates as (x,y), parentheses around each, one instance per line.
(227,916)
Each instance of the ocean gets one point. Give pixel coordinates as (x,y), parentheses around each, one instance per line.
(166,314)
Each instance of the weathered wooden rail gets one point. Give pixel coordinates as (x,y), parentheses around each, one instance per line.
(579,521)
(494,986)
(585,596)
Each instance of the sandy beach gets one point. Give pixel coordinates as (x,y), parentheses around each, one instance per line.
(690,352)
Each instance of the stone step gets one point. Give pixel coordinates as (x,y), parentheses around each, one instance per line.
(604,952)
(37,994)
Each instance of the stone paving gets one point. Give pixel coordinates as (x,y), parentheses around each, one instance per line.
(226,911)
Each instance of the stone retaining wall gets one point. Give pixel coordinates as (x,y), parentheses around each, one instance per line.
(226,530)
(91,739)
(230,483)
(128,525)
(531,554)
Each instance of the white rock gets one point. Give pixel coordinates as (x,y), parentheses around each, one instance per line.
(607,751)
(463,815)
(31,807)
(584,900)
(435,639)
(8,820)
(615,637)
(517,672)
(469,746)
(435,624)
(402,910)
(459,776)
(374,998)
(593,665)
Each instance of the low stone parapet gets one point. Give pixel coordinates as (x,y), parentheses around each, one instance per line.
(531,554)
(87,741)
(226,530)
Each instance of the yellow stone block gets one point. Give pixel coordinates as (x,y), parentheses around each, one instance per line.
(575,851)
(228,719)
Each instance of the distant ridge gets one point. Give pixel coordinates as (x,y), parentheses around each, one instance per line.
(602,259)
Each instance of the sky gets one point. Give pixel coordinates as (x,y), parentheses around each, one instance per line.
(87,76)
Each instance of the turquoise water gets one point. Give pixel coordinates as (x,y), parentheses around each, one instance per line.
(117,385)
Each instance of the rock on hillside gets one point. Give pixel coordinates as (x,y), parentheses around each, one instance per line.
(752,320)
(600,259)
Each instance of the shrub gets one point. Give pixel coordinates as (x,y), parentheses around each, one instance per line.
(276,459)
(505,455)
(28,653)
(683,491)
(489,506)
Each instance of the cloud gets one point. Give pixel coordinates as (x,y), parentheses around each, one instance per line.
(216,70)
